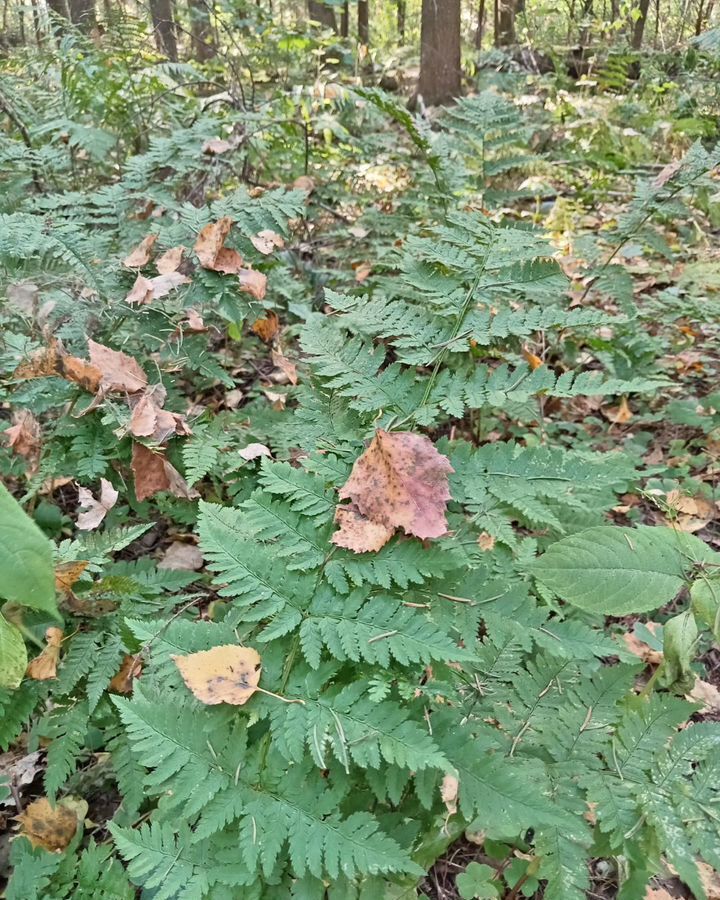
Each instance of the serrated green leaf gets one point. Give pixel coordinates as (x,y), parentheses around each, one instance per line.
(26,567)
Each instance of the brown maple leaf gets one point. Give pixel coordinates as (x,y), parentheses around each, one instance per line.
(400,481)
(44,666)
(211,250)
(140,256)
(119,372)
(154,473)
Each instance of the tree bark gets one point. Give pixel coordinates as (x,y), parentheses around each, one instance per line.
(82,14)
(639,26)
(201,30)
(345,19)
(60,8)
(479,31)
(318,12)
(363,21)
(164,25)
(440,51)
(504,23)
(401,10)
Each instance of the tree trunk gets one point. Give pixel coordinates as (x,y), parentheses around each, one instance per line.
(439,51)
(363,22)
(82,14)
(318,12)
(60,8)
(401,9)
(639,27)
(39,37)
(480,25)
(200,30)
(504,23)
(164,25)
(345,19)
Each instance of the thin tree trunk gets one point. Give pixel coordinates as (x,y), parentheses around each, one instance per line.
(200,30)
(479,31)
(39,37)
(440,51)
(60,8)
(657,24)
(82,14)
(505,33)
(639,27)
(345,19)
(401,9)
(164,25)
(363,22)
(318,12)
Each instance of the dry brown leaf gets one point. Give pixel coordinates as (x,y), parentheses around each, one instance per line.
(24,438)
(95,510)
(20,770)
(362,272)
(119,372)
(141,255)
(359,534)
(710,879)
(266,241)
(82,373)
(531,359)
(145,290)
(150,420)
(170,260)
(642,650)
(253,451)
(193,322)
(266,328)
(153,473)
(400,481)
(51,828)
(449,793)
(122,681)
(181,556)
(286,366)
(707,694)
(233,399)
(619,415)
(226,674)
(278,400)
(211,251)
(666,173)
(658,894)
(253,283)
(216,146)
(304,183)
(66,574)
(42,364)
(486,542)
(44,666)
(24,296)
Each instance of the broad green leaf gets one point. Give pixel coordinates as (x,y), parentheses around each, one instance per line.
(13,656)
(705,596)
(616,571)
(26,568)
(679,637)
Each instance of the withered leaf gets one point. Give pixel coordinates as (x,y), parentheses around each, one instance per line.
(44,666)
(266,241)
(183,557)
(119,372)
(145,290)
(253,451)
(286,366)
(66,574)
(53,360)
(149,419)
(252,282)
(449,792)
(23,437)
(51,828)
(211,250)
(193,322)
(304,183)
(531,359)
(666,173)
(358,533)
(216,146)
(154,473)
(170,260)
(225,674)
(122,681)
(95,510)
(140,256)
(267,327)
(400,481)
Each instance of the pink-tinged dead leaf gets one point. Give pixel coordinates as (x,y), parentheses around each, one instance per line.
(266,241)
(95,510)
(287,367)
(44,666)
(254,451)
(216,146)
(359,534)
(181,556)
(150,420)
(278,400)
(24,438)
(689,514)
(707,694)
(141,255)
(119,371)
(658,894)
(362,272)
(358,231)
(145,290)
(154,473)
(666,173)
(253,283)
(211,250)
(193,321)
(141,292)
(400,481)
(486,542)
(170,260)
(449,793)
(304,183)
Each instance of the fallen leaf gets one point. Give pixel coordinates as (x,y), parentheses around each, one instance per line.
(140,256)
(225,674)
(24,438)
(278,400)
(642,650)
(150,420)
(24,297)
(170,260)
(82,373)
(358,231)
(266,241)
(216,146)
(707,694)
(304,183)
(666,173)
(51,828)
(400,481)
(619,415)
(286,366)
(486,542)
(66,574)
(362,272)
(359,534)
(95,510)
(449,793)
(252,282)
(43,363)
(44,666)
(658,894)
(119,372)
(266,328)
(122,682)
(531,359)
(194,322)
(181,556)
(153,473)
(145,290)
(20,770)
(253,451)
(710,879)
(211,251)
(233,399)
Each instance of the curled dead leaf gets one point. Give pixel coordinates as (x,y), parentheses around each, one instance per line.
(619,415)
(362,272)
(50,827)
(286,366)
(253,451)
(216,146)
(304,183)
(24,438)
(225,674)
(122,681)
(145,290)
(154,473)
(449,792)
(66,574)
(182,557)
(267,327)
(119,372)
(531,359)
(140,256)
(266,241)
(95,510)
(211,250)
(44,666)
(253,283)
(150,420)
(170,260)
